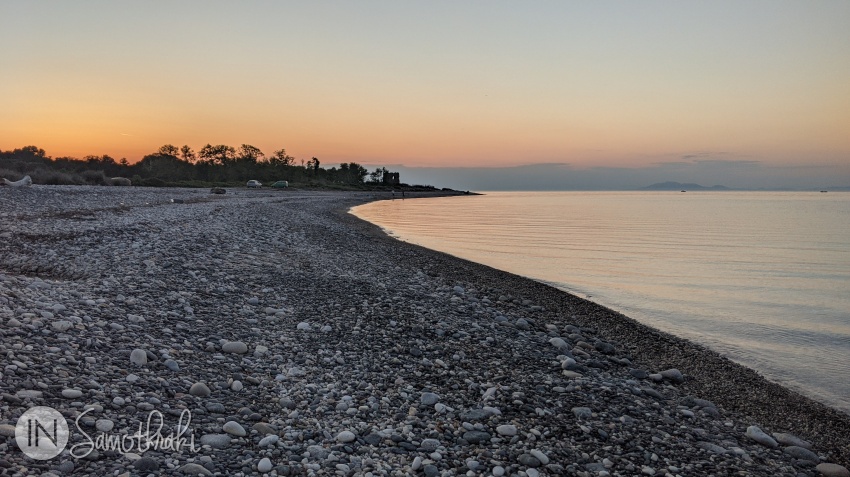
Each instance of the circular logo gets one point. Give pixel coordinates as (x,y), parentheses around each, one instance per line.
(41,433)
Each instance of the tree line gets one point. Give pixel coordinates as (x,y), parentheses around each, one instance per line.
(183,166)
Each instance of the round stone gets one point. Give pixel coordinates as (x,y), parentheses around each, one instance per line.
(476,436)
(346,436)
(61,325)
(303,326)
(234,428)
(236,386)
(265,465)
(104,425)
(832,470)
(429,399)
(539,456)
(139,357)
(673,375)
(528,460)
(237,347)
(756,434)
(506,430)
(200,390)
(72,393)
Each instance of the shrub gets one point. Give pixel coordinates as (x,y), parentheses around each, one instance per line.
(96,177)
(152,182)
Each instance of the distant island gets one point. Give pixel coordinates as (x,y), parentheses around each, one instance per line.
(681,186)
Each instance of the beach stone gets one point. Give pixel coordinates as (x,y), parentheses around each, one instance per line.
(264,429)
(430,445)
(7,430)
(172,365)
(582,412)
(604,347)
(638,373)
(537,454)
(498,471)
(194,469)
(522,324)
(429,399)
(346,436)
(506,430)
(801,453)
(431,470)
(236,386)
(13,323)
(200,390)
(139,357)
(268,440)
(791,440)
(832,470)
(72,393)
(710,447)
(756,434)
(475,437)
(234,428)
(29,394)
(236,347)
(253,301)
(416,464)
(528,460)
(216,441)
(146,464)
(303,326)
(104,425)
(265,465)
(559,343)
(673,375)
(61,325)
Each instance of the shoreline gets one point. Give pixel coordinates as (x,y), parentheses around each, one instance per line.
(299,334)
(711,375)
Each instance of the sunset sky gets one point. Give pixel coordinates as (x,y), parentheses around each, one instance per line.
(593,84)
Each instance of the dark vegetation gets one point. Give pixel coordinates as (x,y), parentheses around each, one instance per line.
(170,166)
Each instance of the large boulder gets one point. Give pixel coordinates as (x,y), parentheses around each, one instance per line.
(25,182)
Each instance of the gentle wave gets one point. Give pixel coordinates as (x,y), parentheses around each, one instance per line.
(761,277)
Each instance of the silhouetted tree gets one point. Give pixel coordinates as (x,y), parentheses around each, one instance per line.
(217,155)
(187,154)
(168,150)
(279,158)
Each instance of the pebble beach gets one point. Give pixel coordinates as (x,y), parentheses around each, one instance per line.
(304,341)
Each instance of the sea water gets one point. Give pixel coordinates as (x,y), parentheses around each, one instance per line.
(761,277)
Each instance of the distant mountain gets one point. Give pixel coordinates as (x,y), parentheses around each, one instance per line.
(680,186)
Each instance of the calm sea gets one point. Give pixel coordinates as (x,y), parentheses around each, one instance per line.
(761,277)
